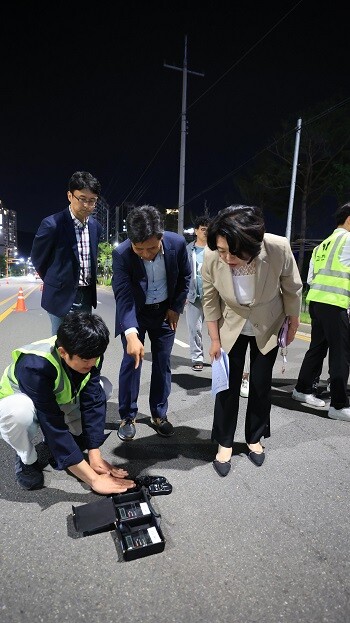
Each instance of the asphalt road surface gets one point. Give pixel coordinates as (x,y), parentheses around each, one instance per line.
(263,545)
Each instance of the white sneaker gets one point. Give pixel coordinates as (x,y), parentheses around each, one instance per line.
(339,414)
(310,399)
(244,391)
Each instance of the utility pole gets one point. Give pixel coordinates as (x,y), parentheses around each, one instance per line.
(185,71)
(117,208)
(294,175)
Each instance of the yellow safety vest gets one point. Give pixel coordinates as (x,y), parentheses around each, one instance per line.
(42,348)
(331,281)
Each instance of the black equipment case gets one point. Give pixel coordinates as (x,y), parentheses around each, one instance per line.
(131,515)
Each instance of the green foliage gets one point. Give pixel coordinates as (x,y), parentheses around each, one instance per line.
(104,263)
(305,318)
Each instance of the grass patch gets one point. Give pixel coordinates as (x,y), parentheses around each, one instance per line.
(305,317)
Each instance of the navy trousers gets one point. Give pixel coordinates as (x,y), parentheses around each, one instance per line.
(161,336)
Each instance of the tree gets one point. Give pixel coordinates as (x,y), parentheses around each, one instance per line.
(323,168)
(104,260)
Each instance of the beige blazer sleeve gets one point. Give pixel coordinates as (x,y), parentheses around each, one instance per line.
(278,290)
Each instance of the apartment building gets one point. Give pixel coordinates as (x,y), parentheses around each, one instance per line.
(8,231)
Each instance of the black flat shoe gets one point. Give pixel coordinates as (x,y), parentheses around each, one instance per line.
(256,458)
(222,468)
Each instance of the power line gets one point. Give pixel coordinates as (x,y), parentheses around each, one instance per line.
(267,148)
(234,65)
(245,54)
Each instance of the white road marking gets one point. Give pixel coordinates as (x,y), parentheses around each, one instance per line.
(183,344)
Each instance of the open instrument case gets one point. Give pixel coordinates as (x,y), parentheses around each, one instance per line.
(130,514)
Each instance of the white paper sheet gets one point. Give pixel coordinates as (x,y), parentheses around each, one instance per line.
(219,373)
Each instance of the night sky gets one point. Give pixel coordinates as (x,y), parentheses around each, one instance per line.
(85,88)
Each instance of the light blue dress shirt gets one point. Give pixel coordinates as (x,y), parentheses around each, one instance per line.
(157,290)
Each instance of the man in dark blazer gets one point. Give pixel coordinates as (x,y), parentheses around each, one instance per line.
(151,275)
(64,252)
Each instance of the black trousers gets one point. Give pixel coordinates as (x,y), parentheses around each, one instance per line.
(257,420)
(329,330)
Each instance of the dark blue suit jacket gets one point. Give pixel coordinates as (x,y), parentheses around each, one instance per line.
(55,257)
(129,279)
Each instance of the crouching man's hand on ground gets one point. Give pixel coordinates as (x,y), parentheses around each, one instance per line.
(107,484)
(105,479)
(101,466)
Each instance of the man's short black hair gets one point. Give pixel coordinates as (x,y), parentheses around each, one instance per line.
(201,221)
(81,180)
(83,334)
(143,223)
(342,214)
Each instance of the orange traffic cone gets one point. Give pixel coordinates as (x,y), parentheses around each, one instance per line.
(21,306)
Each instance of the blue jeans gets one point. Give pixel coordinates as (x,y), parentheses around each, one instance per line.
(82,303)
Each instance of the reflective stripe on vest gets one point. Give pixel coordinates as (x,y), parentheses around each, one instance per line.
(42,348)
(331,281)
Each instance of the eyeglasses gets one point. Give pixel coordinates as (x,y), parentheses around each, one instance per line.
(86,202)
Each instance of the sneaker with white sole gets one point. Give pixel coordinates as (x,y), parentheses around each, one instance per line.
(339,414)
(244,391)
(310,399)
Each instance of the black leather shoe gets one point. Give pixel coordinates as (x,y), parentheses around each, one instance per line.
(222,468)
(256,458)
(126,430)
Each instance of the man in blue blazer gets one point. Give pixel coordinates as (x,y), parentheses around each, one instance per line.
(64,252)
(151,275)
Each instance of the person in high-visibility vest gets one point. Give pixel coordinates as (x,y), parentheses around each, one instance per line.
(329,302)
(55,385)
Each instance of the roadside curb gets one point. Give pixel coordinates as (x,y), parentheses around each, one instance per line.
(304,327)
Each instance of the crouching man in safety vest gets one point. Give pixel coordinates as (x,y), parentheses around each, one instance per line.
(55,384)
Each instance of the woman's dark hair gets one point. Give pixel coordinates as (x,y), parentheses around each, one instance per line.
(83,334)
(143,223)
(242,226)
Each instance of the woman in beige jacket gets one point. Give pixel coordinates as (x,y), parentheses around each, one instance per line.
(250,283)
